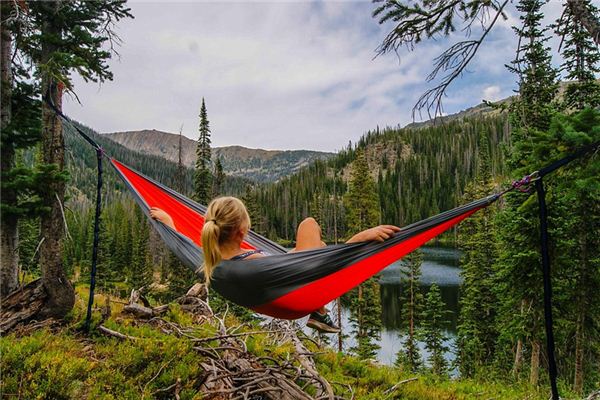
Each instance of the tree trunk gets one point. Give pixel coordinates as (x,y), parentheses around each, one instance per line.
(9,234)
(579,340)
(518,358)
(360,312)
(583,284)
(519,350)
(61,296)
(534,374)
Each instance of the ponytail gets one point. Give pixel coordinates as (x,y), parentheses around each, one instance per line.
(224,217)
(210,247)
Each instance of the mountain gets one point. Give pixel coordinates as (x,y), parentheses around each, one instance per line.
(81,165)
(480,110)
(256,164)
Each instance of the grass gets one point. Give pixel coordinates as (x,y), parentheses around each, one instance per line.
(67,364)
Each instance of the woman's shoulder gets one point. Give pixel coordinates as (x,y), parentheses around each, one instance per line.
(249,255)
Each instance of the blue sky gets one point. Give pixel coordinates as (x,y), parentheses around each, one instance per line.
(277,75)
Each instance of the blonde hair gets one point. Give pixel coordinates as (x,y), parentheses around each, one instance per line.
(224,217)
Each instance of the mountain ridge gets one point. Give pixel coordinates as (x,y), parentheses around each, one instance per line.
(257,164)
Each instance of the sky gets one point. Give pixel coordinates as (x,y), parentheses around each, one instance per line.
(277,75)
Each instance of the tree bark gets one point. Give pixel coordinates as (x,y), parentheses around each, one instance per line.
(581,13)
(579,340)
(9,233)
(582,306)
(519,350)
(61,295)
(534,374)
(518,358)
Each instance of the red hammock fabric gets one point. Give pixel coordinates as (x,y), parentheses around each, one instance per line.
(187,221)
(284,285)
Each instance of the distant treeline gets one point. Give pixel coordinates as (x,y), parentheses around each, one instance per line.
(419,172)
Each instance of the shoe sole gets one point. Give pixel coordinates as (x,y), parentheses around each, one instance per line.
(321,327)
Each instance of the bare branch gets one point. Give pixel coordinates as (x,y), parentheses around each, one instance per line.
(454,59)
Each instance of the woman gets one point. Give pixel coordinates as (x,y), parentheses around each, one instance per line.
(227,223)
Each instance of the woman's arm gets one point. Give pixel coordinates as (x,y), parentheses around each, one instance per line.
(160,215)
(378,234)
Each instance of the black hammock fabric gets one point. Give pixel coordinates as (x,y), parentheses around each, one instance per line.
(283,285)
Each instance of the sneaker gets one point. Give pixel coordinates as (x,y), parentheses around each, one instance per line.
(322,323)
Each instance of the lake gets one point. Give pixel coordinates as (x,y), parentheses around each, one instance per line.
(440,266)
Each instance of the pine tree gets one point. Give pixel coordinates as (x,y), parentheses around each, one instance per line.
(581,60)
(202,176)
(361,201)
(533,65)
(432,327)
(478,305)
(365,318)
(574,219)
(256,219)
(140,271)
(362,209)
(20,129)
(412,306)
(218,179)
(520,280)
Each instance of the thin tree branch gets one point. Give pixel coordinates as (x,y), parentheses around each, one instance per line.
(455,59)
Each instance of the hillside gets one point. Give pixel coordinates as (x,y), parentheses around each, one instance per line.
(419,172)
(256,164)
(480,110)
(189,355)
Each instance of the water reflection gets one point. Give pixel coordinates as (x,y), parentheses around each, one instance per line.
(391,305)
(440,266)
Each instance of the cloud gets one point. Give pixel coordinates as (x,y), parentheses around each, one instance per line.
(281,75)
(492,93)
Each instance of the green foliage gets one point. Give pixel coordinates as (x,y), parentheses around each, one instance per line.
(365,318)
(477,331)
(572,219)
(218,178)
(81,32)
(412,310)
(533,65)
(432,330)
(423,19)
(256,219)
(427,170)
(361,200)
(362,207)
(581,60)
(61,364)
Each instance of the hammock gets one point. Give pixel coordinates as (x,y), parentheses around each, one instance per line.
(283,285)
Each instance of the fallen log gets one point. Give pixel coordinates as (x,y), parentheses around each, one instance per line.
(22,305)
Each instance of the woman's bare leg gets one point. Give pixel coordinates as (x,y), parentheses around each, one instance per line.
(308,237)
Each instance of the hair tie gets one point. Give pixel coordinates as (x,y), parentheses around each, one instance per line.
(213,220)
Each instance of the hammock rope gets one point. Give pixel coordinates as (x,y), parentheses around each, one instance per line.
(340,267)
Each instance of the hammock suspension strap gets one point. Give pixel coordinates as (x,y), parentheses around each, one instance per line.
(88,317)
(99,155)
(539,187)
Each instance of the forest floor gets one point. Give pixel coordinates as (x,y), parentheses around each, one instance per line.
(186,355)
